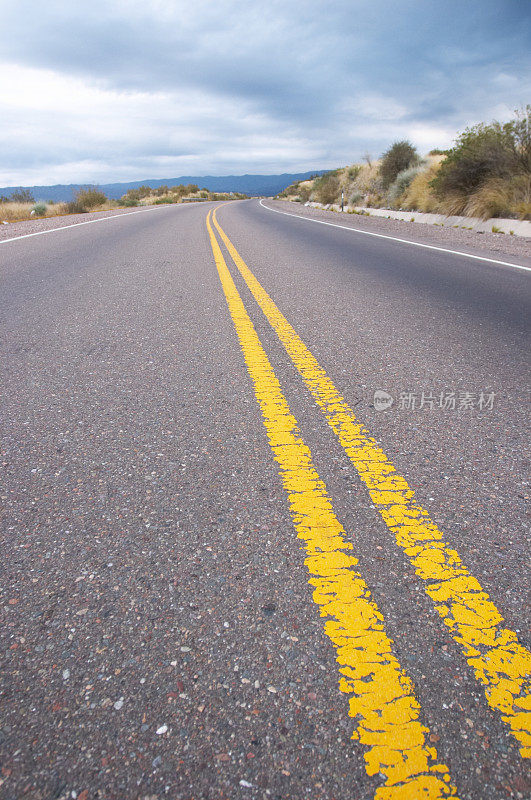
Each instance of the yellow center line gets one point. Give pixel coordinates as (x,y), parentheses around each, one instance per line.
(381,697)
(500,662)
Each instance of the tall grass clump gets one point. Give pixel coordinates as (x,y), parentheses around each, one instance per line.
(14,212)
(400,185)
(419,194)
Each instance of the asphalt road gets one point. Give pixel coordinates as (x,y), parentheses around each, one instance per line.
(193,604)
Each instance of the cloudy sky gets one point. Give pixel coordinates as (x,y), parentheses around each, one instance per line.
(112,90)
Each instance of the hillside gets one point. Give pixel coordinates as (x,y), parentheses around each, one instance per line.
(252,185)
(486,174)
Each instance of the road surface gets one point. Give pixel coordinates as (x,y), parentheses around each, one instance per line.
(228,570)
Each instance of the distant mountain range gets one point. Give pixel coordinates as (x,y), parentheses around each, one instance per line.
(252,185)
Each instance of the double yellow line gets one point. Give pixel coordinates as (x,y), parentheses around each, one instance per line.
(381,697)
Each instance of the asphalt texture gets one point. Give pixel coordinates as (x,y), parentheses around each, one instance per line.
(159,637)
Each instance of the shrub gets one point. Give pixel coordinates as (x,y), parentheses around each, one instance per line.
(520,129)
(354,171)
(131,197)
(484,152)
(86,200)
(160,191)
(326,188)
(162,200)
(480,153)
(488,171)
(22,196)
(401,184)
(304,194)
(397,158)
(39,209)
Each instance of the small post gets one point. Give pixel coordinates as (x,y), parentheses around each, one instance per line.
(342,201)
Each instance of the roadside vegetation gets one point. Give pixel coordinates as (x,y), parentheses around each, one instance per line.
(21,204)
(174,194)
(487,173)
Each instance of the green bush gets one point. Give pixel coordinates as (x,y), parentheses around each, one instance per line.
(397,158)
(39,209)
(86,200)
(326,188)
(484,152)
(131,197)
(304,194)
(162,200)
(143,191)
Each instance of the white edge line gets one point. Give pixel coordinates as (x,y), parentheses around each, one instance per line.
(397,239)
(75,224)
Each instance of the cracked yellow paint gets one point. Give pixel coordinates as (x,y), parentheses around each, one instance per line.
(381,697)
(499,661)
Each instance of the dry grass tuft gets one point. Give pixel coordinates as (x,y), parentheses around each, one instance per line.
(497,197)
(419,194)
(16,212)
(501,197)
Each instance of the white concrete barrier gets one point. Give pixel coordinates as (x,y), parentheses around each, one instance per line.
(515,227)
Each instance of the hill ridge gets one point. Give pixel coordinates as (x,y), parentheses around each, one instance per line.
(249,183)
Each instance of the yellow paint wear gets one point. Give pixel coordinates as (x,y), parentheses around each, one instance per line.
(499,661)
(381,697)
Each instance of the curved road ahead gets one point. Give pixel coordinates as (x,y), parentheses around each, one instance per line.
(229,570)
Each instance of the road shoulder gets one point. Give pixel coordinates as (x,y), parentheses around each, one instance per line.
(489,245)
